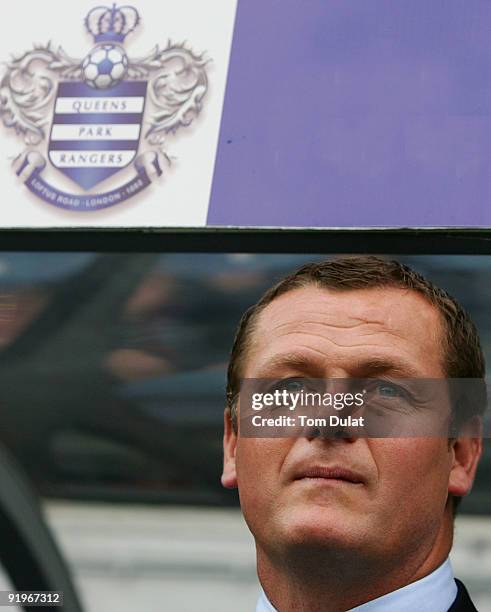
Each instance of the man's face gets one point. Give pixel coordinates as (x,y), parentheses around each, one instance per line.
(398,488)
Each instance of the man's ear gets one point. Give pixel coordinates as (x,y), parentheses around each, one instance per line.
(229,475)
(467,451)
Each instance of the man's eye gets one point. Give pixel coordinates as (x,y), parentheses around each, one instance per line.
(385,390)
(291,385)
(388,390)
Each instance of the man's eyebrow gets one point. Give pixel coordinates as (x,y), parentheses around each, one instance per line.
(385,365)
(361,369)
(295,361)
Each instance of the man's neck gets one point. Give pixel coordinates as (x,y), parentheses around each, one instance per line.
(333,583)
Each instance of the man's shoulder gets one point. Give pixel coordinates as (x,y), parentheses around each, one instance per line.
(463,602)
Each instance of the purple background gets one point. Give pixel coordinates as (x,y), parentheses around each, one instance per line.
(357,113)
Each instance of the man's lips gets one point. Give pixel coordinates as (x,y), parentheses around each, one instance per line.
(320,472)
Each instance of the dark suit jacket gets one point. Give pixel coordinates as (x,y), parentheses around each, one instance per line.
(462,602)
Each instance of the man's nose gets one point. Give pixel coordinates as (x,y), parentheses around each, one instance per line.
(334,421)
(333,434)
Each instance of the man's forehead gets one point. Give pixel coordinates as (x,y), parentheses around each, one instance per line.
(390,307)
(385,319)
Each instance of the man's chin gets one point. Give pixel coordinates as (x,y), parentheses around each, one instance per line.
(316,525)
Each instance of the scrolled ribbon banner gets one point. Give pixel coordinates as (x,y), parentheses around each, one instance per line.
(147,168)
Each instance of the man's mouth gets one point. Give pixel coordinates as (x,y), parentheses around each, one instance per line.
(327,473)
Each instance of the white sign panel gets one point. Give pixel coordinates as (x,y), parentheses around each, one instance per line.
(115,121)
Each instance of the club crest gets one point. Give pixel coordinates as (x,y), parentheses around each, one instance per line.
(95,117)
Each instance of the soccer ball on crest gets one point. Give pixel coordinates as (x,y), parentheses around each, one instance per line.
(105,66)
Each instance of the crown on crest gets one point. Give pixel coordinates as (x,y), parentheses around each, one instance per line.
(114,23)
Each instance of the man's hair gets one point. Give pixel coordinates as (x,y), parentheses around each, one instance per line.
(463,356)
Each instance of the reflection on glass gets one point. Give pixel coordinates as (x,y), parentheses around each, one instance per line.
(113,366)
